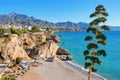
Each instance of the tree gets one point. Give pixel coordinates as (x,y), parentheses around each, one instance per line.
(35,29)
(15,31)
(96,37)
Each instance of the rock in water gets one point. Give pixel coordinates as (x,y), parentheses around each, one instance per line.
(55,38)
(62,51)
(63,54)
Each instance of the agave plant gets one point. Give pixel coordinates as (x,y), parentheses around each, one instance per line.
(97,38)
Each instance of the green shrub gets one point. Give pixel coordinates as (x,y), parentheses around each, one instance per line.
(47,29)
(24,30)
(35,29)
(15,31)
(8,78)
(17,61)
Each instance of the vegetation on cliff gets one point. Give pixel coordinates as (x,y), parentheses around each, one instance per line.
(35,29)
(8,78)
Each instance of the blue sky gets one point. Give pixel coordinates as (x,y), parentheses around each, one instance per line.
(62,10)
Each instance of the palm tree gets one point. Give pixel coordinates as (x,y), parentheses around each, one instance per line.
(96,38)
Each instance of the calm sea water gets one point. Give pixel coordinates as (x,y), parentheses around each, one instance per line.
(74,42)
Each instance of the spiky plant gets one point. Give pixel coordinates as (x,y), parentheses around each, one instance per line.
(96,38)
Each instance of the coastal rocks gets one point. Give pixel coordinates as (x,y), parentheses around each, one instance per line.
(63,54)
(12,48)
(62,51)
(31,45)
(48,49)
(48,33)
(28,40)
(55,38)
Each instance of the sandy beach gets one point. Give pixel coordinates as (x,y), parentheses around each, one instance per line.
(57,70)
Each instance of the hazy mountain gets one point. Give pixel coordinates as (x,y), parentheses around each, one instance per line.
(67,24)
(115,28)
(82,25)
(15,18)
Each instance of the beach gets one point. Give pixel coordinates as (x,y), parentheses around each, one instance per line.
(57,70)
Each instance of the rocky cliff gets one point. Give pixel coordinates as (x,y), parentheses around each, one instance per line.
(27,46)
(12,48)
(48,49)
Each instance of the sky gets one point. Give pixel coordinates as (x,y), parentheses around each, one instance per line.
(62,10)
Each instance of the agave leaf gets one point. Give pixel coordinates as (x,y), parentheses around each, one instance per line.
(88,38)
(94,69)
(105,27)
(86,52)
(92,46)
(102,42)
(101,52)
(101,36)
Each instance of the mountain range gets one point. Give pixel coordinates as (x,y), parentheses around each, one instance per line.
(16,18)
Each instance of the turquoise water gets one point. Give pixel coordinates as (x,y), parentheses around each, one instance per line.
(74,42)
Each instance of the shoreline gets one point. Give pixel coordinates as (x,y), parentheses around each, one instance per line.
(79,67)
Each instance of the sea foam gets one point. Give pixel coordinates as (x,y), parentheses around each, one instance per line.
(86,70)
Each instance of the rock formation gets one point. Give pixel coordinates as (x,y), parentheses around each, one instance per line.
(31,45)
(12,48)
(62,51)
(48,49)
(63,54)
(55,38)
(30,40)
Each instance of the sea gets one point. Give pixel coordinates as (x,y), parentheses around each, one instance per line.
(75,44)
